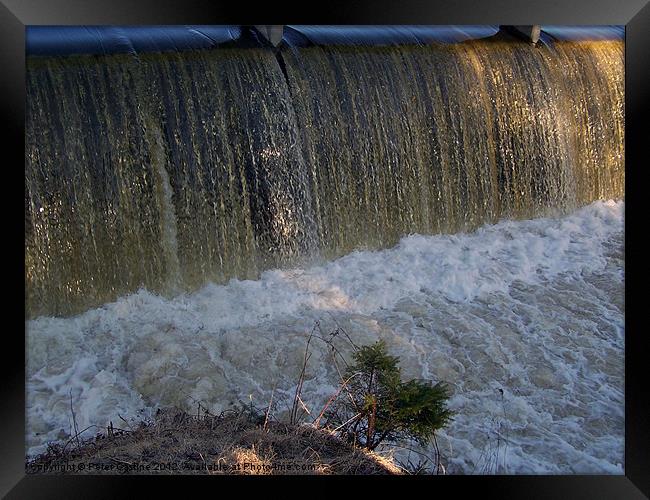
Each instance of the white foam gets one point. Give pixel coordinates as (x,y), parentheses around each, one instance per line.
(534,308)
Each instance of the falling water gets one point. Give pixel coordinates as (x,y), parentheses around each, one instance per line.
(166,171)
(415,140)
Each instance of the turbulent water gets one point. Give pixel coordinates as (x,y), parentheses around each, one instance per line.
(533,308)
(171,170)
(192,216)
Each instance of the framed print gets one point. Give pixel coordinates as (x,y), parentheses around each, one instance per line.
(366,242)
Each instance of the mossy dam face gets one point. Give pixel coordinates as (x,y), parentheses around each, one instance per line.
(168,170)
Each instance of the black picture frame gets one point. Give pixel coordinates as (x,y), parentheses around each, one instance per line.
(634,14)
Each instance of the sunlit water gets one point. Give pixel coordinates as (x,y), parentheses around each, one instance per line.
(173,170)
(534,308)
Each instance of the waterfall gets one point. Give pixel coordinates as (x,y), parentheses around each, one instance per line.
(173,169)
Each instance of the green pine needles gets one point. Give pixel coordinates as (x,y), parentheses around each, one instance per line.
(379,407)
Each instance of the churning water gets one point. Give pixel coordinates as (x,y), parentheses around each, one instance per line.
(534,308)
(190,216)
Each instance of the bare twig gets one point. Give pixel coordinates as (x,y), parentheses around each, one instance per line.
(347,422)
(403,446)
(74,421)
(340,329)
(123,420)
(439,465)
(76,437)
(332,398)
(268,410)
(205,463)
(505,448)
(335,352)
(304,407)
(301,378)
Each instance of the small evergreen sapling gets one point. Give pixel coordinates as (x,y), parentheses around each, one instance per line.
(380,407)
